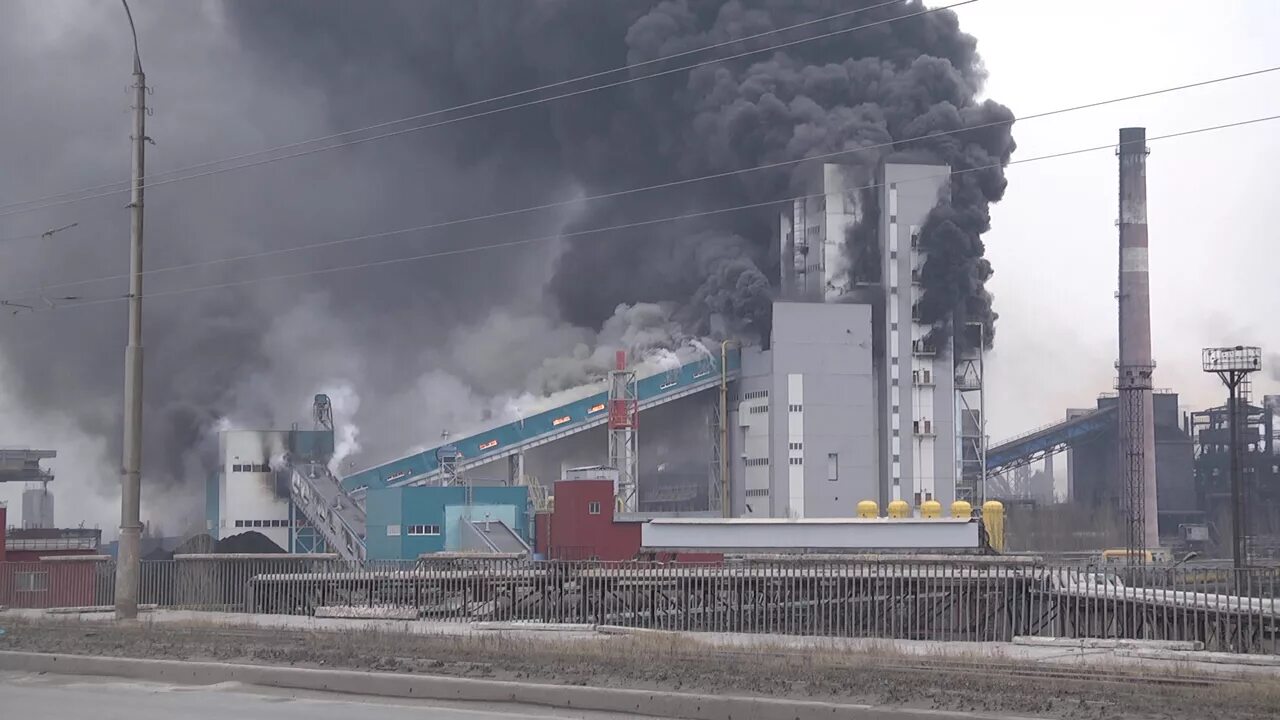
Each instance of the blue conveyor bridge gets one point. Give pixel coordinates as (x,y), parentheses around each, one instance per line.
(423,468)
(1045,441)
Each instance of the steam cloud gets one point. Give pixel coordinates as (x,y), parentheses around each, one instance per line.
(461,340)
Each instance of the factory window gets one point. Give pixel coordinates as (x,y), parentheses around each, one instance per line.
(893,218)
(928,427)
(424,529)
(764,492)
(797,461)
(893,326)
(915,426)
(239,523)
(237,468)
(915,239)
(796,408)
(796,446)
(758,409)
(896,458)
(31,581)
(928,377)
(393,531)
(915,377)
(593,507)
(755,394)
(895,409)
(755,462)
(833,467)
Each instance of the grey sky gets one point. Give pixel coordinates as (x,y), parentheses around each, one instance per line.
(1053,242)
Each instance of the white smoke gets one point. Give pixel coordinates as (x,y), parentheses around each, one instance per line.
(345,403)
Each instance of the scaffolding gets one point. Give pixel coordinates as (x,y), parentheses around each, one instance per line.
(624,410)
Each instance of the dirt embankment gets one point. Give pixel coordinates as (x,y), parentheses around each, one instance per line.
(673,663)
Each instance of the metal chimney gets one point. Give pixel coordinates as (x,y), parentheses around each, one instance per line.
(1137,424)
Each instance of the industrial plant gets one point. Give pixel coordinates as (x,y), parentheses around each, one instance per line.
(857,411)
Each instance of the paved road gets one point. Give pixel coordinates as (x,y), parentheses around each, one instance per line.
(77,698)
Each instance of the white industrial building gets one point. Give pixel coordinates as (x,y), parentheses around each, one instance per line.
(250,494)
(853,400)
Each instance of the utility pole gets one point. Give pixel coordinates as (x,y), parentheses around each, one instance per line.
(1233,366)
(128,557)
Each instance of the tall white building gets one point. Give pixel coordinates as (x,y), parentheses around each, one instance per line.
(925,419)
(248,494)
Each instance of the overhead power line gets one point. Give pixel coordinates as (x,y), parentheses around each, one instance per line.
(660,186)
(625,226)
(62,199)
(464,106)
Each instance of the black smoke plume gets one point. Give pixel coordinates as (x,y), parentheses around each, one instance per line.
(419,341)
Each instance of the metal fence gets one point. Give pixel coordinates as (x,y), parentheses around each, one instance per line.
(969,599)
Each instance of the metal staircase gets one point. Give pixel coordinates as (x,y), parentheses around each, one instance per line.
(318,495)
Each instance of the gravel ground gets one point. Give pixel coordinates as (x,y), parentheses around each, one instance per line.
(672,663)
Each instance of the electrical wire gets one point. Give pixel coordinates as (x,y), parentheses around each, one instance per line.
(464,106)
(625,226)
(14,208)
(660,186)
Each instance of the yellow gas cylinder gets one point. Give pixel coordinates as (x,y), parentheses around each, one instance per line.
(993,520)
(930,509)
(961,509)
(868,509)
(899,509)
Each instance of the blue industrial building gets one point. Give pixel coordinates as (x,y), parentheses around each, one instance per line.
(405,522)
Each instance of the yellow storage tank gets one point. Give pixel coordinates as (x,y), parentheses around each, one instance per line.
(993,520)
(868,509)
(931,509)
(899,509)
(961,509)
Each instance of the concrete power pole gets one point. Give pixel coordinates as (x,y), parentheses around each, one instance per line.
(127,565)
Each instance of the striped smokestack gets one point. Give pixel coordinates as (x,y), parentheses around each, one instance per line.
(1137,424)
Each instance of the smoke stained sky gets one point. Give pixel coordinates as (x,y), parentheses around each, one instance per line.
(412,336)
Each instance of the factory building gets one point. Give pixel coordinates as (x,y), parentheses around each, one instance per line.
(805,416)
(250,490)
(855,398)
(1094,473)
(406,522)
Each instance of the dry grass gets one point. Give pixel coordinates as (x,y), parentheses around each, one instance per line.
(869,672)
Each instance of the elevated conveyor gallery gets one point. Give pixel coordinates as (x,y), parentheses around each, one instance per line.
(1047,440)
(571,418)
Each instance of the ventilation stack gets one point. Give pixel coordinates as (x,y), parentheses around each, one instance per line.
(1135,366)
